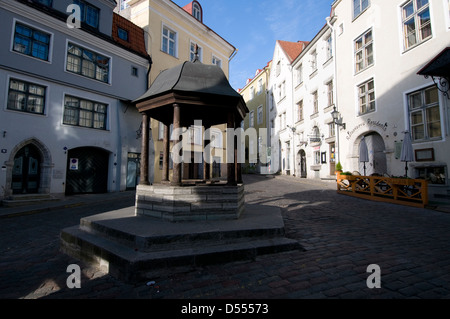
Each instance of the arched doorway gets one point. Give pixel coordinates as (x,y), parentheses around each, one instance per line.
(26,170)
(87,171)
(302,164)
(377,157)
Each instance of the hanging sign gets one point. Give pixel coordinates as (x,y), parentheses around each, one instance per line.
(74,164)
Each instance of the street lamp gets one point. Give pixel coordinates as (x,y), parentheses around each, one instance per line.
(293,129)
(337,121)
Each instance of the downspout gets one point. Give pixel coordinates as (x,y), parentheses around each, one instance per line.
(233,55)
(333,31)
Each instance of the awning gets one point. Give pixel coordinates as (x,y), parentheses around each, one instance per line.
(439,71)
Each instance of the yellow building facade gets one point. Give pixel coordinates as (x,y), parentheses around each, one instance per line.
(172,35)
(257,98)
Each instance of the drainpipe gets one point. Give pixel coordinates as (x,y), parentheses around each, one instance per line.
(333,31)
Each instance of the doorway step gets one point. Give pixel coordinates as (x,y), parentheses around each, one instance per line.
(29,199)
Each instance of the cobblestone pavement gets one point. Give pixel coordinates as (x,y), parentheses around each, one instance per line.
(341,236)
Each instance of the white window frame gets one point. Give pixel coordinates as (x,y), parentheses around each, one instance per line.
(260,115)
(423,109)
(164,38)
(197,11)
(363,50)
(251,119)
(216,61)
(361,11)
(366,95)
(417,27)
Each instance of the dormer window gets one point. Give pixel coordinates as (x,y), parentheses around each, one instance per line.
(197,11)
(123,34)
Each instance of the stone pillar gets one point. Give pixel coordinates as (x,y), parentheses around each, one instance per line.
(231,173)
(145,149)
(166,154)
(176,180)
(206,165)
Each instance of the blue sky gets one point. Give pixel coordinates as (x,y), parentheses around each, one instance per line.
(253,27)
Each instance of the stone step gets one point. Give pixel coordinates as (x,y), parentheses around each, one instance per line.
(131,246)
(24,200)
(132,265)
(177,234)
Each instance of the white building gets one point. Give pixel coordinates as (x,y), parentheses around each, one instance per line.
(281,112)
(314,140)
(380,48)
(66,120)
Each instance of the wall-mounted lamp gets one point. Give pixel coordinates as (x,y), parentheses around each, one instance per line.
(337,121)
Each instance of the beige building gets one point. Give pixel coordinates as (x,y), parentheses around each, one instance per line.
(172,35)
(256,96)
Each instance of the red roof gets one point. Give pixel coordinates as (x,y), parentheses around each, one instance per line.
(136,40)
(293,49)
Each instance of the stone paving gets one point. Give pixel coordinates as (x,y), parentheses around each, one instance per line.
(341,237)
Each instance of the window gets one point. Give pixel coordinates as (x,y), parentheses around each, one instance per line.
(192,52)
(252,92)
(366,93)
(84,113)
(314,61)
(134,71)
(364,51)
(169,42)
(317,157)
(260,86)
(196,135)
(124,4)
(300,111)
(315,99)
(315,136)
(122,34)
(282,90)
(216,61)
(329,47)
(32,42)
(251,119)
(216,138)
(87,63)
(89,14)
(330,93)
(197,11)
(416,22)
(278,69)
(259,116)
(332,129)
(425,114)
(26,97)
(359,6)
(160,131)
(299,73)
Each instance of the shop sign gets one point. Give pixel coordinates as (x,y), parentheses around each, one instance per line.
(370,124)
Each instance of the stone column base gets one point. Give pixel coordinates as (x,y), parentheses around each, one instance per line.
(190,203)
